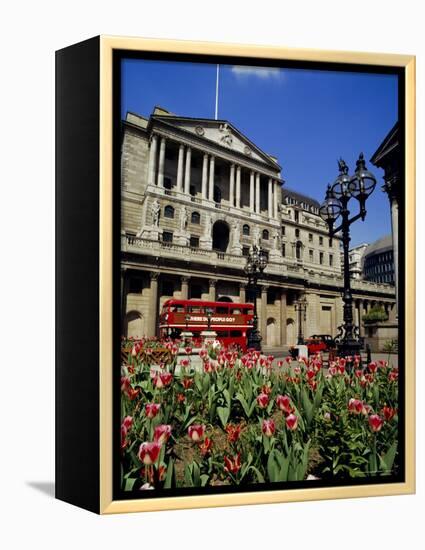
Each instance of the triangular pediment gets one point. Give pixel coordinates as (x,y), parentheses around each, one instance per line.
(221,133)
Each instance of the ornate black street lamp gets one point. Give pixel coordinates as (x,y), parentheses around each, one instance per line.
(359,186)
(301,308)
(255,265)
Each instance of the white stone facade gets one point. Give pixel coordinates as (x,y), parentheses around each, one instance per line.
(196,195)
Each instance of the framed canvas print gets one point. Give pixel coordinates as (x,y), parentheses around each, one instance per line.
(235,274)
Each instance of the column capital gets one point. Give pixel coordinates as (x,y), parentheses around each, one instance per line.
(212,282)
(154,275)
(185,279)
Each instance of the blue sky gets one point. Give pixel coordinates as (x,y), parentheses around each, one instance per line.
(307,119)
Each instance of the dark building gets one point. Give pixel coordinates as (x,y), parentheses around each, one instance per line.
(378,263)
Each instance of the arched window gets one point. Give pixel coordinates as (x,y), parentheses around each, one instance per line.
(265,235)
(299,250)
(195,218)
(168,211)
(245,230)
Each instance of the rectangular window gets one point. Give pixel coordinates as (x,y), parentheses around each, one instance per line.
(330,242)
(310,237)
(297,216)
(167,237)
(321,240)
(331,260)
(310,253)
(297,233)
(194,241)
(283,250)
(321,258)
(283,230)
(245,251)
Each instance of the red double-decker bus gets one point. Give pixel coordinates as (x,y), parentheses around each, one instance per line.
(229,320)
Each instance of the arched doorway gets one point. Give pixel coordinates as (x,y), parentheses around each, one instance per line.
(134,324)
(290,332)
(271,336)
(220,234)
(225,299)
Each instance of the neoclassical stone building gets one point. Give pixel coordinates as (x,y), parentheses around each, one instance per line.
(196,195)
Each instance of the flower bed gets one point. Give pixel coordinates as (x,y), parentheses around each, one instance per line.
(242,419)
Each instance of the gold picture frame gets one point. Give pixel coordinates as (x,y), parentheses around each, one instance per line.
(106,47)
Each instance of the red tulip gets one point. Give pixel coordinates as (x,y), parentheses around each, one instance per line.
(127,422)
(162,433)
(123,437)
(133,393)
(233,432)
(149,452)
(232,464)
(291,422)
(310,374)
(205,446)
(388,413)
(125,383)
(162,379)
(196,432)
(181,398)
(263,400)
(268,427)
(152,409)
(284,403)
(375,422)
(373,366)
(355,406)
(187,383)
(188,350)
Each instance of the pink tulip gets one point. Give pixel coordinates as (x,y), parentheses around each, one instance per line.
(291,422)
(263,400)
(375,422)
(196,432)
(152,409)
(355,406)
(268,427)
(149,452)
(284,404)
(127,422)
(162,433)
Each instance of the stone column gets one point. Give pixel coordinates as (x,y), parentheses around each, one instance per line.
(187,171)
(212,283)
(124,292)
(283,317)
(211,182)
(251,191)
(270,198)
(152,160)
(232,185)
(180,168)
(205,177)
(242,293)
(394,225)
(263,313)
(276,199)
(257,193)
(185,288)
(161,163)
(361,313)
(153,304)
(238,187)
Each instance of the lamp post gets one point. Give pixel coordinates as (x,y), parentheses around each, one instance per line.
(336,204)
(187,319)
(255,265)
(301,308)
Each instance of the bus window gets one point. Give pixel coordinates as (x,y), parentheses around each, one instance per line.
(223,334)
(235,333)
(235,311)
(222,309)
(195,309)
(177,309)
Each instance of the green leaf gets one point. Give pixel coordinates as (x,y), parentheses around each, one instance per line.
(169,477)
(223,414)
(307,406)
(129,483)
(387,461)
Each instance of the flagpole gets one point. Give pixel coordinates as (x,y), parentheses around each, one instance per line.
(216,91)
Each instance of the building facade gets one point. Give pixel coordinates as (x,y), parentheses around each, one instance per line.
(196,196)
(379,261)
